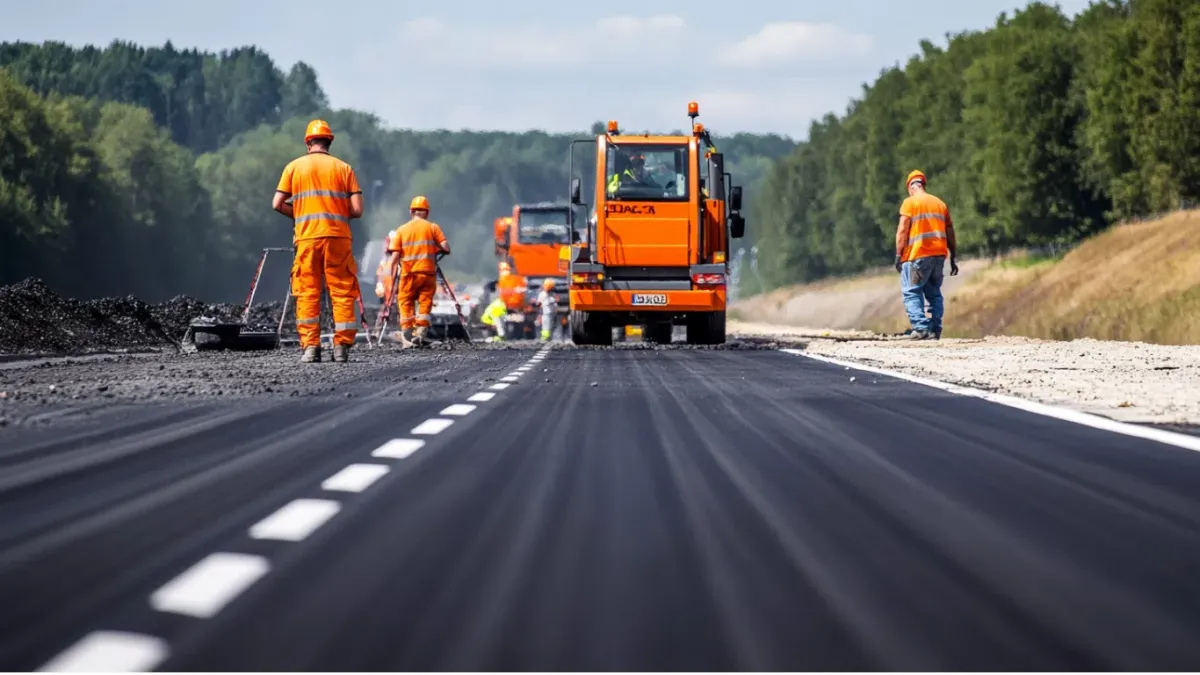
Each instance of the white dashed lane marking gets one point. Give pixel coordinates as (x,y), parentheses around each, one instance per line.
(431,427)
(296,520)
(458,409)
(398,448)
(210,584)
(355,478)
(110,652)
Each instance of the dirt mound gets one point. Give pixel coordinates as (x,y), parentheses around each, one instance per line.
(36,320)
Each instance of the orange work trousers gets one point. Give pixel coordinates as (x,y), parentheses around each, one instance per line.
(416,290)
(329,260)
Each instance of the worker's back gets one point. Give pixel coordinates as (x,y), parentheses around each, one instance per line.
(419,241)
(513,288)
(321,185)
(927,232)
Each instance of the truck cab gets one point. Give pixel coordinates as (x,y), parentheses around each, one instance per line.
(656,252)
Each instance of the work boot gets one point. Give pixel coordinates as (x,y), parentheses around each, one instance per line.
(919,335)
(418,338)
(311,355)
(341,353)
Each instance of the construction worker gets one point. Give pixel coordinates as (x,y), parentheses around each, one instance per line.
(495,316)
(549,304)
(415,247)
(512,287)
(924,237)
(630,169)
(384,272)
(325,197)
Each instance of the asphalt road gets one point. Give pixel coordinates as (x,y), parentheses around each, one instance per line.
(608,510)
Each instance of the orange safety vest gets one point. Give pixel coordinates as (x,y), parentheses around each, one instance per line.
(927,231)
(320,186)
(512,291)
(418,241)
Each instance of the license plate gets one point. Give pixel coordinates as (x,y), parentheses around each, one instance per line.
(653,299)
(516,317)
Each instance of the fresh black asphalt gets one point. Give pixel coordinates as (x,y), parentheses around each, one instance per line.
(613,510)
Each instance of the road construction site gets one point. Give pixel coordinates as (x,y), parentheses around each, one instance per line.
(548,506)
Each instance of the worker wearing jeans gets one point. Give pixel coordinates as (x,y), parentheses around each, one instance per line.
(924,237)
(921,282)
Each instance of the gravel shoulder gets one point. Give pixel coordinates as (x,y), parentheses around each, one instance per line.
(1126,381)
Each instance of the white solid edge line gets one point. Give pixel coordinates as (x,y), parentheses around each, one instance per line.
(295,520)
(110,652)
(355,478)
(501,386)
(458,409)
(1067,415)
(398,448)
(482,396)
(210,584)
(432,426)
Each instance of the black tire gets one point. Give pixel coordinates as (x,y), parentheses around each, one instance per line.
(658,333)
(455,331)
(589,328)
(706,328)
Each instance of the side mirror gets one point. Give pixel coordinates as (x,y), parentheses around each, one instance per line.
(737,225)
(575,191)
(735,198)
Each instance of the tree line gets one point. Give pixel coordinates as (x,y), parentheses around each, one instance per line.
(149,170)
(1040,130)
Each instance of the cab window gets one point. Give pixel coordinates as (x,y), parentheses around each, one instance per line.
(647,173)
(542,227)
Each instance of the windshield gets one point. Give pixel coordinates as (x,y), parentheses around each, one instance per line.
(647,172)
(542,227)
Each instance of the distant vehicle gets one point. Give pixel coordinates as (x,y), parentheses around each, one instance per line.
(530,241)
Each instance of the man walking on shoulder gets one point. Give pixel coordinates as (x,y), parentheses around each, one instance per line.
(924,237)
(325,196)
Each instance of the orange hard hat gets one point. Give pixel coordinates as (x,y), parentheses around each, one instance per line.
(419,203)
(318,129)
(548,284)
(914,175)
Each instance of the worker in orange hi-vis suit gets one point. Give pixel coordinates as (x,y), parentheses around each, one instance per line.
(384,272)
(415,247)
(513,288)
(325,197)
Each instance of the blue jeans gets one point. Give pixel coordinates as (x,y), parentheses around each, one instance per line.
(921,281)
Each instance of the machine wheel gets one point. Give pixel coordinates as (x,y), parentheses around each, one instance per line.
(706,328)
(456,331)
(589,328)
(658,333)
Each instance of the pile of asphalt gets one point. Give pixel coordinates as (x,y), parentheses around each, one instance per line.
(36,320)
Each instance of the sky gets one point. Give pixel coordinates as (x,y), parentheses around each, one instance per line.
(764,66)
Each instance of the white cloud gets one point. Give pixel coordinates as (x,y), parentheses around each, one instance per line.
(793,43)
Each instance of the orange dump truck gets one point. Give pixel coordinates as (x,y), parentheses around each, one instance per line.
(530,241)
(657,245)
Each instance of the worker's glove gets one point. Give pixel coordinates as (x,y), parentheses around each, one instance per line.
(953,266)
(898,263)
